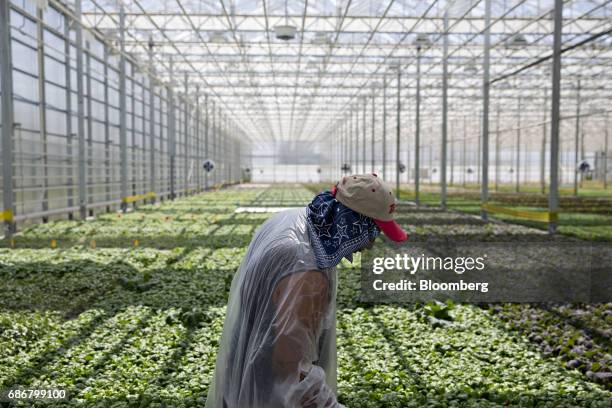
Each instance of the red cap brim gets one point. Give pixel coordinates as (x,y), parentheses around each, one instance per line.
(392,230)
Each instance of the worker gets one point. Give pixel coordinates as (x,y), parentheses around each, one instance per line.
(278,347)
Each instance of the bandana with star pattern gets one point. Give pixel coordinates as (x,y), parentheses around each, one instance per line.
(336,231)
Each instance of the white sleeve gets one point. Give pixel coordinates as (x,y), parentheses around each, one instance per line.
(312,391)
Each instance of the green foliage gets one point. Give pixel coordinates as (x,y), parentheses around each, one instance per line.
(118,326)
(437,313)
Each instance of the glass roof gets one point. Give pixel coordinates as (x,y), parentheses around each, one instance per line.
(343,51)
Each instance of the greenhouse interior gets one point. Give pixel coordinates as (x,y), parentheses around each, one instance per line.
(152,149)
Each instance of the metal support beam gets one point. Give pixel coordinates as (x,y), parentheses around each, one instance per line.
(430,163)
(143,135)
(89,126)
(397,136)
(478,152)
(198,158)
(583,153)
(576,139)
(384,129)
(444,113)
(42,108)
(606,147)
(553,198)
(107,140)
(226,157)
(373,151)
(122,111)
(186,138)
(69,134)
(484,189)
(171,132)
(497,149)
(215,146)
(518,147)
(451,142)
(6,82)
(543,150)
(80,111)
(228,152)
(417,130)
(206,142)
(463,154)
(347,131)
(152,174)
(223,146)
(363,130)
(134,169)
(356,169)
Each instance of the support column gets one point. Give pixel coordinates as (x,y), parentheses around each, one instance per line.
(356,169)
(417,130)
(206,130)
(80,110)
(484,192)
(133,174)
(451,142)
(197,140)
(341,152)
(172,132)
(518,148)
(576,139)
(497,149)
(431,163)
(605,161)
(107,142)
(228,152)
(143,135)
(384,129)
(222,139)
(122,110)
(42,109)
(151,122)
(346,141)
(444,113)
(553,198)
(186,138)
(6,78)
(363,126)
(373,151)
(397,136)
(229,142)
(543,149)
(214,141)
(89,127)
(478,152)
(463,158)
(69,133)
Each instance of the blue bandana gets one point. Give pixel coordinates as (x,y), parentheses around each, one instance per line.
(336,231)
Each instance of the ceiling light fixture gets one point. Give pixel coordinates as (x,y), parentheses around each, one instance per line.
(217,37)
(320,38)
(422,40)
(517,41)
(285,31)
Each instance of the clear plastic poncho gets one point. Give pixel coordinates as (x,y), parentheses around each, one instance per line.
(278,347)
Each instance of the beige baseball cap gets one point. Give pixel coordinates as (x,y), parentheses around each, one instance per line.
(369,195)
